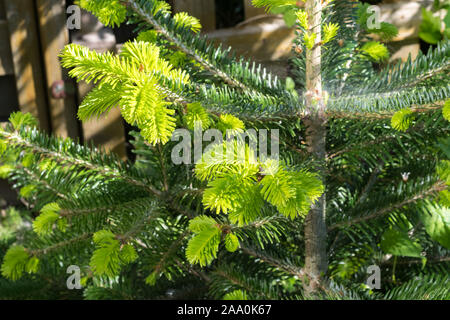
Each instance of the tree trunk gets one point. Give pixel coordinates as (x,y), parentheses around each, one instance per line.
(315,228)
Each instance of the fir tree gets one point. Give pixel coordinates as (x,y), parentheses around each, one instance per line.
(362,179)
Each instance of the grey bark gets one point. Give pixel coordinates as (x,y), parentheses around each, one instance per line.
(315,227)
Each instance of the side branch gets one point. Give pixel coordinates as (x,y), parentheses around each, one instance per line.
(58,245)
(16,139)
(437,187)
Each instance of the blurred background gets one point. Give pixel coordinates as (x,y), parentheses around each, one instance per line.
(33,32)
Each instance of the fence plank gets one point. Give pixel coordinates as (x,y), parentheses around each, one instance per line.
(6,64)
(26,59)
(201,9)
(54,36)
(266,40)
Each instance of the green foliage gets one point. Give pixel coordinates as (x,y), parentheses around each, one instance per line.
(196,113)
(444,198)
(27,191)
(28,160)
(110,12)
(249,206)
(144,106)
(230,123)
(182,19)
(402,119)
(330,31)
(100,100)
(386,31)
(398,243)
(223,194)
(152,278)
(290,84)
(19,119)
(203,247)
(234,188)
(231,157)
(236,295)
(429,287)
(430,27)
(376,51)
(132,80)
(231,242)
(396,87)
(436,220)
(443,171)
(310,40)
(17,261)
(43,225)
(148,36)
(291,192)
(177,59)
(302,17)
(446,110)
(6,170)
(363,14)
(3,147)
(110,256)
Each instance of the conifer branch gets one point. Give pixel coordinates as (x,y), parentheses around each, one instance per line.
(371,182)
(57,156)
(292,270)
(242,284)
(59,245)
(418,261)
(159,266)
(46,185)
(435,188)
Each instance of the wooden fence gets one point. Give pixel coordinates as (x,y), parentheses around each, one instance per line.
(33,32)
